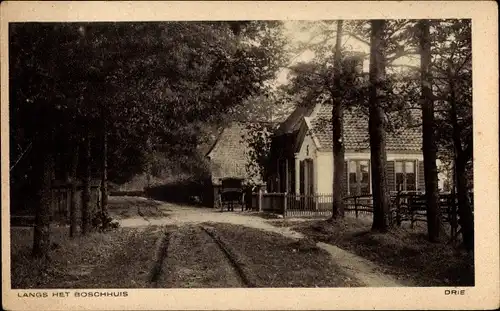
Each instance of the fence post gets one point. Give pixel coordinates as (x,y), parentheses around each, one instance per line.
(356,206)
(285,195)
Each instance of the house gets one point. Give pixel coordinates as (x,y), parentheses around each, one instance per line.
(302,154)
(228,158)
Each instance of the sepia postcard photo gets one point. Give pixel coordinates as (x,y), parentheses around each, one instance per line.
(249,155)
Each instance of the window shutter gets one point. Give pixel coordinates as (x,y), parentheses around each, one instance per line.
(301,177)
(391,185)
(421,176)
(344,180)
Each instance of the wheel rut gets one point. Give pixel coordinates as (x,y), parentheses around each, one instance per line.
(188,257)
(232,257)
(161,254)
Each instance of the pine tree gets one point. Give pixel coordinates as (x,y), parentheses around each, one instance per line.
(376,126)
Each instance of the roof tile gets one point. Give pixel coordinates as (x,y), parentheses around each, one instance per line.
(356,136)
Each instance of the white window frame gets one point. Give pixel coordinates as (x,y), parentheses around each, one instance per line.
(349,172)
(416,168)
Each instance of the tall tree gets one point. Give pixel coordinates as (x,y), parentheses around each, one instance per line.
(73,209)
(104,167)
(107,91)
(86,184)
(41,237)
(377,125)
(338,187)
(428,133)
(452,66)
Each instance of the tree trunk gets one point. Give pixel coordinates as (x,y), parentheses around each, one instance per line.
(73,208)
(148,163)
(428,136)
(466,218)
(376,128)
(86,212)
(338,189)
(41,239)
(104,176)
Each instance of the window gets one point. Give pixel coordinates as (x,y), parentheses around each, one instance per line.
(359,177)
(406,178)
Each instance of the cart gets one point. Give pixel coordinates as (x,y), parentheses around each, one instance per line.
(231,194)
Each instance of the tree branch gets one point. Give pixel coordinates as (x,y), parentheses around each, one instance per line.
(400,54)
(403,66)
(21,156)
(469,55)
(351,34)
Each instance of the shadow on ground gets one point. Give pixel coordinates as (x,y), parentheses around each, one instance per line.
(121,207)
(187,192)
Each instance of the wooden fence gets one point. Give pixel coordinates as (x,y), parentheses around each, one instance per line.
(409,206)
(61,199)
(404,207)
(297,205)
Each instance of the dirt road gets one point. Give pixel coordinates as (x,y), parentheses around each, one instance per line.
(189,246)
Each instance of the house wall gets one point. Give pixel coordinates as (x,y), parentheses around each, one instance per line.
(308,150)
(308,142)
(324,160)
(325,177)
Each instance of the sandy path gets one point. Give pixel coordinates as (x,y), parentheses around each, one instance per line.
(194,260)
(362,269)
(359,268)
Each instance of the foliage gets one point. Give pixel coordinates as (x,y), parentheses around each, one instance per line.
(163,81)
(400,95)
(258,138)
(135,85)
(261,118)
(452,64)
(103,222)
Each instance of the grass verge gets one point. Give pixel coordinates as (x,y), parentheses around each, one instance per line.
(98,260)
(404,253)
(277,261)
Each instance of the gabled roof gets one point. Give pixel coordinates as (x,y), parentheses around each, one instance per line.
(229,154)
(301,134)
(293,122)
(356,136)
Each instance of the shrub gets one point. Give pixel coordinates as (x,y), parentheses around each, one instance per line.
(103,222)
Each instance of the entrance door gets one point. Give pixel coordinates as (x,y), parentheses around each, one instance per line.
(307,176)
(310,176)
(307,183)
